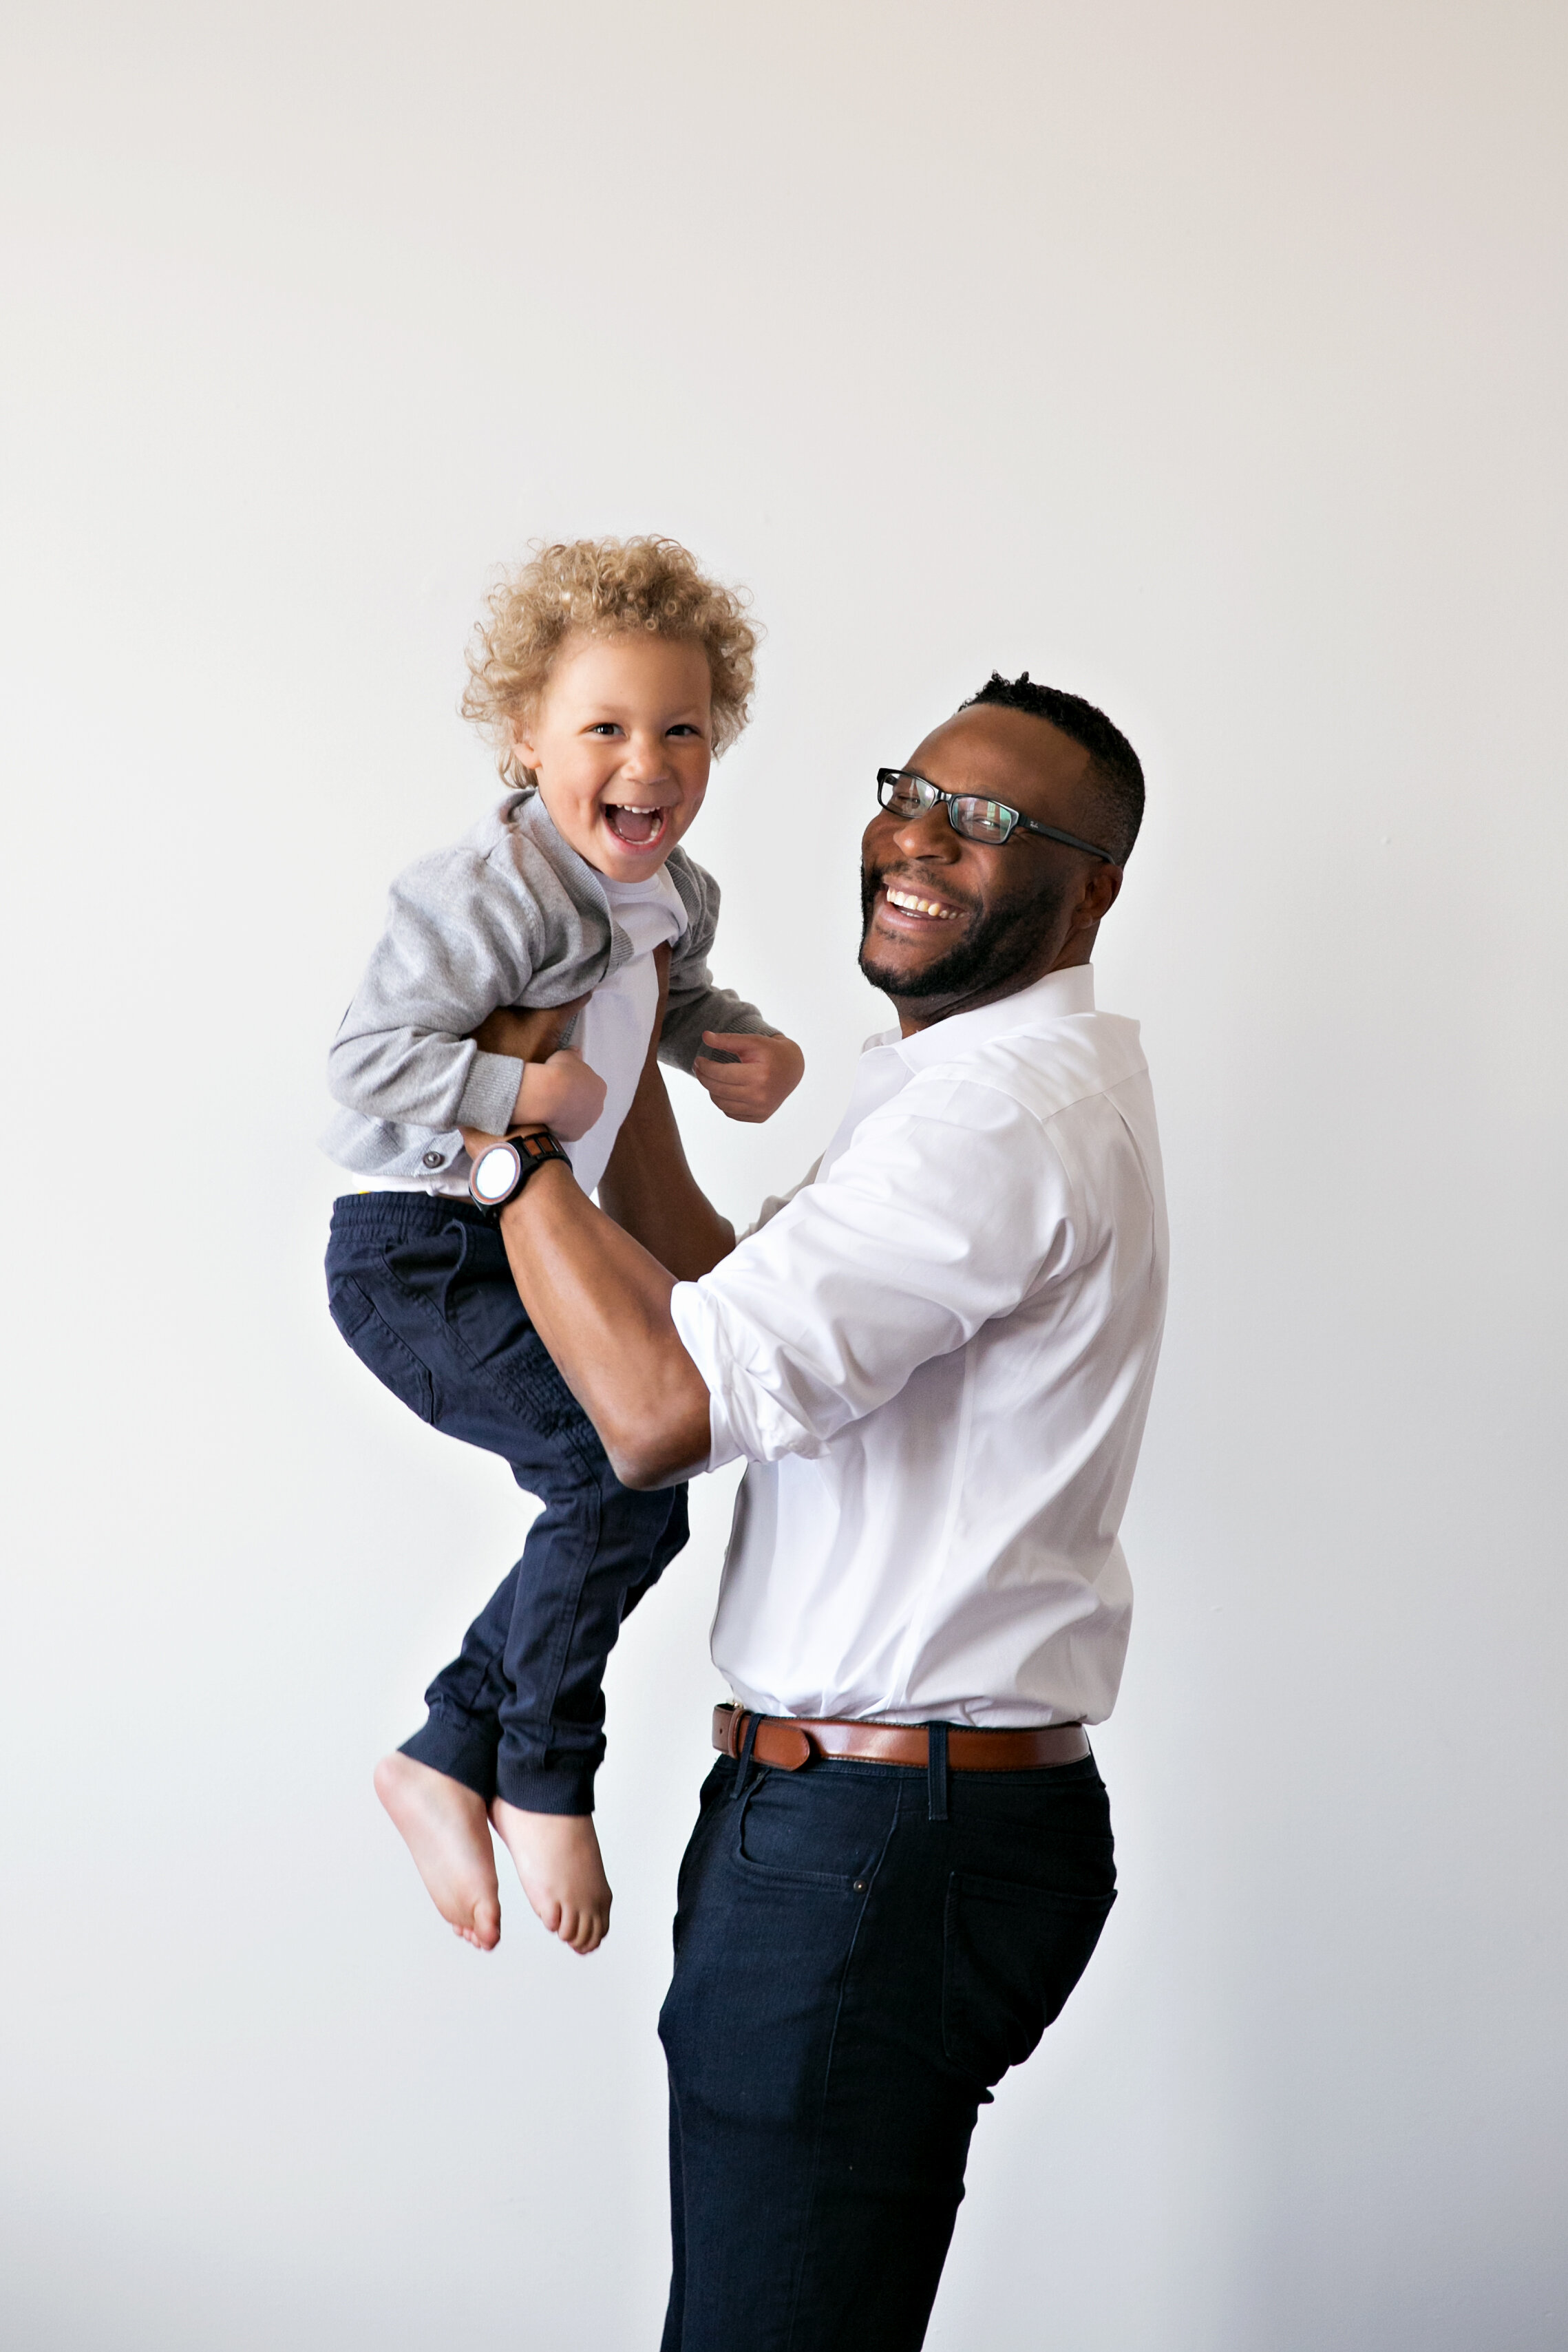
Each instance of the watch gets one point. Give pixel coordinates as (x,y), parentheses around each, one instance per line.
(501,1170)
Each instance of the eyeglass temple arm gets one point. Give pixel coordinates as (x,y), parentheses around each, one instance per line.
(1068,840)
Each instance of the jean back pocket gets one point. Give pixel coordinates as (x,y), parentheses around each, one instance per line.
(1011,1956)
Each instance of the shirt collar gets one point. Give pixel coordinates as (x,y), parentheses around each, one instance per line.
(1051,999)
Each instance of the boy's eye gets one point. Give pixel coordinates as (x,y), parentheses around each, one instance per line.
(603,726)
(685,728)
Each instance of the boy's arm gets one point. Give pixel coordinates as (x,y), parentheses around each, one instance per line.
(747,1066)
(696,1009)
(727,1044)
(695,1004)
(404,1052)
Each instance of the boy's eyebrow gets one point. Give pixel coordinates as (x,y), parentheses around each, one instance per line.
(617,710)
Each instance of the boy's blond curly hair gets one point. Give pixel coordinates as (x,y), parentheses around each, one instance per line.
(601,586)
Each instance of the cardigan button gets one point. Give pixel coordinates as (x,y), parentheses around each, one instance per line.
(435,1159)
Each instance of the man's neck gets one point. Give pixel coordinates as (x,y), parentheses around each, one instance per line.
(917,1013)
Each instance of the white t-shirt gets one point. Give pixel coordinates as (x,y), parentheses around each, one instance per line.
(617,1020)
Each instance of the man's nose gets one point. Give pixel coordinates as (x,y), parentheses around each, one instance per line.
(928,837)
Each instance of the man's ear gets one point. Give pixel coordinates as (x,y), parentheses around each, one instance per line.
(1100,891)
(1106,888)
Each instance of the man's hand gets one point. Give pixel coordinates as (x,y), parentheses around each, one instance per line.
(751,1087)
(525,1033)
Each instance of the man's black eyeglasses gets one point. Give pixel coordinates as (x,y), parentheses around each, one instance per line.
(977,819)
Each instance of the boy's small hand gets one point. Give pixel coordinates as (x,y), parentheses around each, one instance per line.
(751,1087)
(563,1093)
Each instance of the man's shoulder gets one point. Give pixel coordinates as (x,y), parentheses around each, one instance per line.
(1048,1066)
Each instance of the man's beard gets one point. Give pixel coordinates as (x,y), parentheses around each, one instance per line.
(1000,944)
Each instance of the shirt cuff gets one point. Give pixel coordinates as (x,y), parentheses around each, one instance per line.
(696,1327)
(489,1096)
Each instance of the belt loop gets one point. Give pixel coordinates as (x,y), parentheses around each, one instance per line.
(747,1744)
(936,1771)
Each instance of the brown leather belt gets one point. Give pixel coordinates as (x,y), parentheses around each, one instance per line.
(788,1742)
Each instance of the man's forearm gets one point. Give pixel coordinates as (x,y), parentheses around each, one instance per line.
(600,1302)
(650,1191)
(597,1287)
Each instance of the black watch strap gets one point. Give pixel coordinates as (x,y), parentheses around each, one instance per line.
(502,1169)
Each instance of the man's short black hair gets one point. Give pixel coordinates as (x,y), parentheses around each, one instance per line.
(1115,777)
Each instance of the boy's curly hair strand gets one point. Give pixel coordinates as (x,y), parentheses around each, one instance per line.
(601,587)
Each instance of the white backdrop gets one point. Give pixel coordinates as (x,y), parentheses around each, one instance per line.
(1205,359)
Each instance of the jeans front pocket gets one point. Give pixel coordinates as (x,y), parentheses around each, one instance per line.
(1011,1956)
(813,1829)
(379,1349)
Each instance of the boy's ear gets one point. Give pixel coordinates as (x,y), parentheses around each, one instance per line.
(524,760)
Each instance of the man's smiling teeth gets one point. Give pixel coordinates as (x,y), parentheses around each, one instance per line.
(914,905)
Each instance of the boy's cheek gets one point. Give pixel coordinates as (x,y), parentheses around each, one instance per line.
(689,810)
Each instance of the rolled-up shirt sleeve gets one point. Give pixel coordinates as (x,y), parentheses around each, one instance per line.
(949,1206)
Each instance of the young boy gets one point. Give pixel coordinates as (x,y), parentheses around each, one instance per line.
(609,674)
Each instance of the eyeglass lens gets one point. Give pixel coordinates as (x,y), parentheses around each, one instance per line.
(976,819)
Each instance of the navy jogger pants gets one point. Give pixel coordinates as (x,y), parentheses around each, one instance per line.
(420,1289)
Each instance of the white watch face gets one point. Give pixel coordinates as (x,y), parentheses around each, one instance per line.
(495,1172)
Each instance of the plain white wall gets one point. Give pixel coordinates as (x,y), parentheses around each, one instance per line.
(1207,359)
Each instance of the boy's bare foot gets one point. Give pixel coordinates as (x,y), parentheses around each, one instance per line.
(447,1830)
(562,1872)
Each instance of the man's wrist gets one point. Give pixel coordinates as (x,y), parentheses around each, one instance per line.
(537,1179)
(503,1165)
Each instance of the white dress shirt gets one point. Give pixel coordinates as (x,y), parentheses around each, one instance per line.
(935,1358)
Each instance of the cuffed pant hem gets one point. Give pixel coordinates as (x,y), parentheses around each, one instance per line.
(565,1786)
(462,1747)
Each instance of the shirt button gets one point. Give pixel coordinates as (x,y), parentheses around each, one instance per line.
(435,1159)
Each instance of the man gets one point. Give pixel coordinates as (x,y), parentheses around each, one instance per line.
(936,1358)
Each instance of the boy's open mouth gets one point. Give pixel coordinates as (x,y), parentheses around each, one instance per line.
(639,828)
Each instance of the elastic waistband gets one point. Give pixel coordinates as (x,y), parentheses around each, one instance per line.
(405,1213)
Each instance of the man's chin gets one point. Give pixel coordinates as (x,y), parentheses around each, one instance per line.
(992,954)
(898,976)
(905,965)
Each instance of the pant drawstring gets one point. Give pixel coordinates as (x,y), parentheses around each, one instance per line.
(463,1233)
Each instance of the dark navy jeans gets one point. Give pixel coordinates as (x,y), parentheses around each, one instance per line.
(421,1290)
(861,1951)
